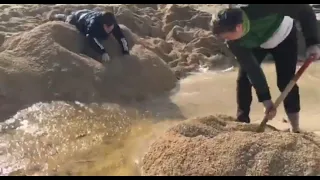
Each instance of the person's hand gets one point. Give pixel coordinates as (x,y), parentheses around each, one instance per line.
(269,109)
(105,58)
(314,51)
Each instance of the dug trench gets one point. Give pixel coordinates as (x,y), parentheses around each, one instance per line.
(78,117)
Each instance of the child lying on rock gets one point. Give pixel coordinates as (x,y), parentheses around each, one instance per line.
(96,26)
(253,31)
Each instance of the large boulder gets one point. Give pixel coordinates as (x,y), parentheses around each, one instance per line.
(46,64)
(218,146)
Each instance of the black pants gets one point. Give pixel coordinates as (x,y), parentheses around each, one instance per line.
(285,57)
(74,17)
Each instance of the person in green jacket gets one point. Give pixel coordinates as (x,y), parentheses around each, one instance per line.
(254,30)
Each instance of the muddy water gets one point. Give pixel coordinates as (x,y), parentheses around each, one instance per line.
(62,138)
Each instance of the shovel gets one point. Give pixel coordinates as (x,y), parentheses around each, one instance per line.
(286,91)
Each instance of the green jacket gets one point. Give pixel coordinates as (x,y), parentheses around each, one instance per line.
(262,21)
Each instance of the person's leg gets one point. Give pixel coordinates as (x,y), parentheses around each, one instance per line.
(286,57)
(244,89)
(71,19)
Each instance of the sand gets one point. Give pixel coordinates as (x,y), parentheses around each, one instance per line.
(217,146)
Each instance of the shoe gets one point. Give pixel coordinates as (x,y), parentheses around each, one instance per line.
(294,122)
(241,117)
(60,17)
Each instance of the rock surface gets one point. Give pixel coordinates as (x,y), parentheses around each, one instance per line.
(218,146)
(179,34)
(45,64)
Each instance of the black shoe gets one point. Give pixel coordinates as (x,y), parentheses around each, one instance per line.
(241,117)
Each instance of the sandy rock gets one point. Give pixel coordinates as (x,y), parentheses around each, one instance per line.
(179,27)
(158,46)
(46,64)
(179,34)
(175,34)
(142,25)
(184,16)
(218,146)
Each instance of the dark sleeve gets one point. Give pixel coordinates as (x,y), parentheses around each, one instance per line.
(300,12)
(92,34)
(95,44)
(255,74)
(117,33)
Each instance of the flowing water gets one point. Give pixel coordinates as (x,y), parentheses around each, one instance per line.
(63,138)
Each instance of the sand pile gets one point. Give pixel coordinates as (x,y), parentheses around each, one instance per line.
(46,64)
(218,146)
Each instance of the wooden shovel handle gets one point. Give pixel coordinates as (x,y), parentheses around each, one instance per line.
(286,91)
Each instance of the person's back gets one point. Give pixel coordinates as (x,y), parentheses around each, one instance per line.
(85,20)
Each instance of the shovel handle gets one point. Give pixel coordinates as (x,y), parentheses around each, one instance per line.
(286,91)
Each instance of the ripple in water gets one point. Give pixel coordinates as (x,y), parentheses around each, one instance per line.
(62,138)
